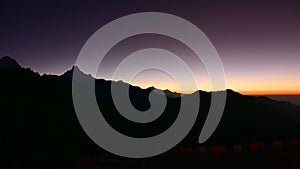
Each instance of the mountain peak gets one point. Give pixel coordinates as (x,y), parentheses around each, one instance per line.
(69,73)
(7,62)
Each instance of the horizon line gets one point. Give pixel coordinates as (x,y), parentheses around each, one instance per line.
(244,92)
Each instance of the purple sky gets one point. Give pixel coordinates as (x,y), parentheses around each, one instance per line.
(258,41)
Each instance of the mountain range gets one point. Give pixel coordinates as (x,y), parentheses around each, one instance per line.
(38,122)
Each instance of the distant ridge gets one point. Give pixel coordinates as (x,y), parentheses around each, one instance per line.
(6,62)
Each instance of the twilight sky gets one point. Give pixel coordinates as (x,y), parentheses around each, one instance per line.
(258,40)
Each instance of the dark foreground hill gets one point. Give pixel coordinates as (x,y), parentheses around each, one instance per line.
(39,127)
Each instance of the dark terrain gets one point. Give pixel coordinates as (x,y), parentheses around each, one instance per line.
(39,127)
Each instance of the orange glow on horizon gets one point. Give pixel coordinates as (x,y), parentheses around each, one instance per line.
(246,85)
(163,85)
(174,88)
(269,92)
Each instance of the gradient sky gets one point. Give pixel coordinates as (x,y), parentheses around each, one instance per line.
(258,40)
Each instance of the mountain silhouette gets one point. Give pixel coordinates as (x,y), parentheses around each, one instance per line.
(7,62)
(39,123)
